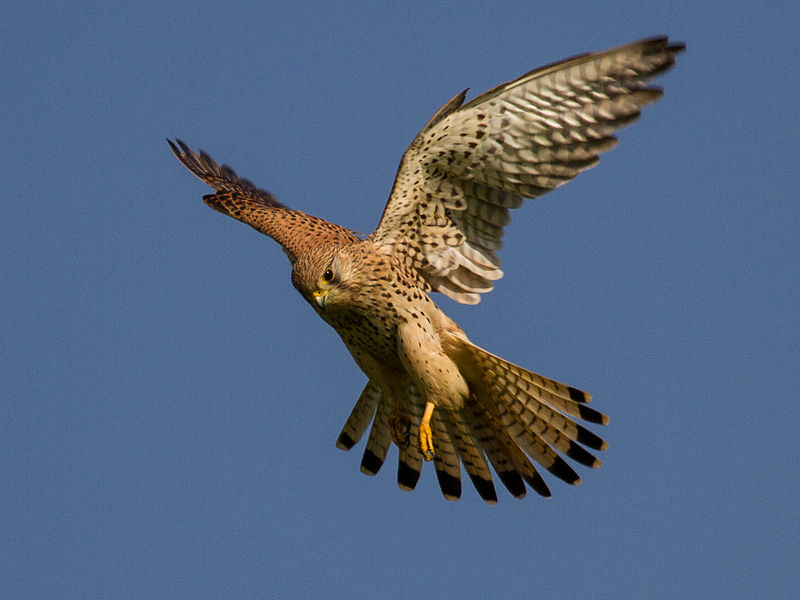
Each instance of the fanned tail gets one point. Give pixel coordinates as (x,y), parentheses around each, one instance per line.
(538,414)
(512,419)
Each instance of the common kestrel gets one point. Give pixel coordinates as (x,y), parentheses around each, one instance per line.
(430,390)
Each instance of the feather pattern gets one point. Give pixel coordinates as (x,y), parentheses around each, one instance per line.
(472,163)
(445,461)
(360,417)
(440,230)
(380,438)
(471,455)
(240,199)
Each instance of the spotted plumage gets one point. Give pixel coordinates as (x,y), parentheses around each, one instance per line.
(430,391)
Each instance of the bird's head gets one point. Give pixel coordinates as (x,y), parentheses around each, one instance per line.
(323,276)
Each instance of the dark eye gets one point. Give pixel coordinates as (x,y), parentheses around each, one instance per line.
(327,275)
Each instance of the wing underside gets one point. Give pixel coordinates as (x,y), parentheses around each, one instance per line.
(471,164)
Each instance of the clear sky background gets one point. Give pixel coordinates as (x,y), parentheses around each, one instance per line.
(169,403)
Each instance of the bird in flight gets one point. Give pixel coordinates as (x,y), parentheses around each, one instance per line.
(431,391)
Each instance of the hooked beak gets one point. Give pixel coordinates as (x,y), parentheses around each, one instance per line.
(320,297)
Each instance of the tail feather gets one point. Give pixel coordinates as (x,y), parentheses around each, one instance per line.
(511,418)
(549,425)
(359,418)
(567,399)
(509,462)
(536,405)
(445,461)
(409,468)
(535,413)
(538,449)
(380,438)
(409,462)
(471,455)
(500,441)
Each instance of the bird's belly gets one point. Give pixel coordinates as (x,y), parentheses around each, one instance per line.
(364,336)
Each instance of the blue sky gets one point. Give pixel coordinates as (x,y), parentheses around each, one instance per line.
(170,403)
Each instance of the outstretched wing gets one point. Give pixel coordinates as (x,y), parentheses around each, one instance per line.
(470,164)
(237,197)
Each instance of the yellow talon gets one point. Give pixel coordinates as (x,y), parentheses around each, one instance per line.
(425,434)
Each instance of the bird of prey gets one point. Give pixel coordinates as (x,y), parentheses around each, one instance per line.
(430,391)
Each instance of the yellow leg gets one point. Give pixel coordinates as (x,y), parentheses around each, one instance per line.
(425,434)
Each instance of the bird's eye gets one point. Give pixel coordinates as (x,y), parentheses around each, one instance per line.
(327,275)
